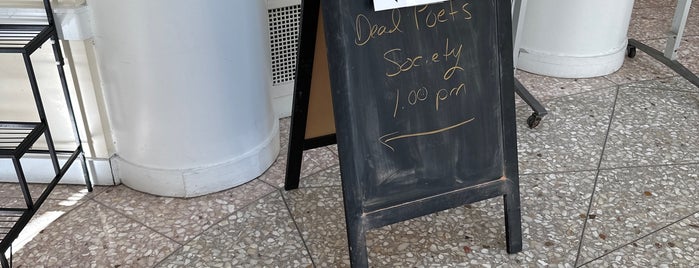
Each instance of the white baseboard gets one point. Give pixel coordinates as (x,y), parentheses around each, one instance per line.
(38,169)
(282,105)
(282,98)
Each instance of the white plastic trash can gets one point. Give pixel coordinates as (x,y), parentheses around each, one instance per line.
(574,39)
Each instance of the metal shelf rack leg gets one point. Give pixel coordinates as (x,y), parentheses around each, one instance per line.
(669,57)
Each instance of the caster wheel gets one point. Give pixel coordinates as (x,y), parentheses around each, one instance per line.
(533,120)
(630,51)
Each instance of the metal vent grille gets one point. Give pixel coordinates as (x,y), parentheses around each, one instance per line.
(284,34)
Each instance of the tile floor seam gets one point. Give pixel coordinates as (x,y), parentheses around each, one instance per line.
(665,89)
(48,198)
(96,194)
(650,166)
(298,229)
(306,176)
(269,184)
(606,77)
(300,177)
(544,102)
(137,221)
(101,192)
(656,78)
(632,86)
(673,74)
(641,238)
(161,261)
(557,172)
(332,151)
(71,208)
(229,215)
(197,235)
(594,185)
(319,186)
(630,83)
(317,172)
(67,212)
(657,89)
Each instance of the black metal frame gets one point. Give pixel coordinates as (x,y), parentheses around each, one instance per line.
(18,138)
(674,38)
(518,14)
(659,56)
(539,110)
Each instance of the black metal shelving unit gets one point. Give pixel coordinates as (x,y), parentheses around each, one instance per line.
(18,138)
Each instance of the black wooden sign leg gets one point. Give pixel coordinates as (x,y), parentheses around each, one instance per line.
(356,238)
(513,221)
(302,91)
(3,261)
(295,154)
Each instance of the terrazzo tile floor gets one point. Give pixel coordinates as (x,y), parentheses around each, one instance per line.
(609,179)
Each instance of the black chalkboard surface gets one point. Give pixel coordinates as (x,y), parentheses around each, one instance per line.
(423,101)
(422,95)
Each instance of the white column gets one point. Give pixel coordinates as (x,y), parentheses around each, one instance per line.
(573,38)
(187,89)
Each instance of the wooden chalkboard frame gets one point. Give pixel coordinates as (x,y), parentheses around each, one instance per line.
(360,221)
(298,142)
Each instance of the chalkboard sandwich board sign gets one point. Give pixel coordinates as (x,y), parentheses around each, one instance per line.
(423,105)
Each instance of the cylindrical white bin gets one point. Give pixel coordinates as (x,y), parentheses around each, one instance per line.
(573,38)
(187,89)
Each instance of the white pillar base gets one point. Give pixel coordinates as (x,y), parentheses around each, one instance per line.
(192,182)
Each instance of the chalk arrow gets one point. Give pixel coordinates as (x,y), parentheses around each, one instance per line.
(385,139)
